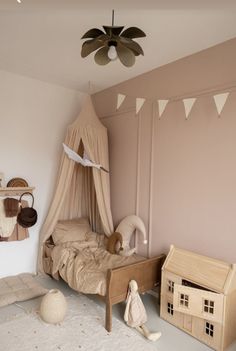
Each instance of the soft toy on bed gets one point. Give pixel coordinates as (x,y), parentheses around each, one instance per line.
(126,227)
(113,240)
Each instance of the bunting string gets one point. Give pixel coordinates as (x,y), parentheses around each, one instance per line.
(219,95)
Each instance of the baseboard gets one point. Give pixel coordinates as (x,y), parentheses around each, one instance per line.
(154,292)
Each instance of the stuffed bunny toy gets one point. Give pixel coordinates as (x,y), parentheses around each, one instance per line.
(135,314)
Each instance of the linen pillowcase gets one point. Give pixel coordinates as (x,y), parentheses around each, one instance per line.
(71,230)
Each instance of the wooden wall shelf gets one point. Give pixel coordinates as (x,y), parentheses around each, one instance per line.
(15,191)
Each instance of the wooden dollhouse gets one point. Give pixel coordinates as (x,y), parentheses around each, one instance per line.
(198,295)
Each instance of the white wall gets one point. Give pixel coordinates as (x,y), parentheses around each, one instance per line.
(33,120)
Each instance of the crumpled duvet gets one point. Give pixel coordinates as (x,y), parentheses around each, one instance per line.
(84,264)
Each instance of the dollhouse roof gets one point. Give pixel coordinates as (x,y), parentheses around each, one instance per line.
(207,272)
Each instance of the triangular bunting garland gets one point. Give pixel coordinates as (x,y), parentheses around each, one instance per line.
(188,104)
(220,100)
(161,106)
(120,100)
(139,104)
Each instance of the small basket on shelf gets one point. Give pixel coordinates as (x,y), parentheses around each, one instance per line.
(17,182)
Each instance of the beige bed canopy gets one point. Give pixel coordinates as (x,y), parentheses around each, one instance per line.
(82,191)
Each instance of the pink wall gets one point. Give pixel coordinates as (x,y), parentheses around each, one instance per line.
(187,195)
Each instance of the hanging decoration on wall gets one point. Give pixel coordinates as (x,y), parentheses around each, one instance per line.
(220,100)
(162,106)
(112,44)
(120,100)
(188,104)
(139,104)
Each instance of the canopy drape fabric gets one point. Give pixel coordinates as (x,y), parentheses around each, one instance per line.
(82,191)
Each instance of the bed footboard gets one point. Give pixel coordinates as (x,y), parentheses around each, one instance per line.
(147,274)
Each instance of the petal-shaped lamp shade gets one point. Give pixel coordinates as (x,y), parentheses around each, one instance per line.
(125,55)
(101,56)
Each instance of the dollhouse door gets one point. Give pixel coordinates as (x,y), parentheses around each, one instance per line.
(187,323)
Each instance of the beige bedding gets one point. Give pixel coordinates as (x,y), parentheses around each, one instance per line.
(84,264)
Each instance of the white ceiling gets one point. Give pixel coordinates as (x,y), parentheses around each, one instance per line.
(41,38)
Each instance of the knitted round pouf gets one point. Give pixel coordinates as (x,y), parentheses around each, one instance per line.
(53,307)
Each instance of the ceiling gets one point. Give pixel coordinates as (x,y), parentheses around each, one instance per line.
(41,38)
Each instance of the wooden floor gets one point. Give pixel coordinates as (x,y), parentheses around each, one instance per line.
(172,339)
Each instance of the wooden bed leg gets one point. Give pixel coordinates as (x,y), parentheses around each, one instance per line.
(108,316)
(108,322)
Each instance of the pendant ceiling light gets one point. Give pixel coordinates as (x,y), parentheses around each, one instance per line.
(113,43)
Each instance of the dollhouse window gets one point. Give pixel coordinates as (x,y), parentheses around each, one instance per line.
(209,306)
(171,286)
(170,308)
(209,329)
(184,300)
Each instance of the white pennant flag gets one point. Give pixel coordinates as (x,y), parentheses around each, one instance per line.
(220,100)
(120,100)
(139,104)
(162,106)
(188,104)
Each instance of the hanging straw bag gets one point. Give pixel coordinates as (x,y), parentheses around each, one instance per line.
(27,216)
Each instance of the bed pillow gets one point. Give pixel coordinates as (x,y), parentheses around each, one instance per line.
(71,230)
(20,287)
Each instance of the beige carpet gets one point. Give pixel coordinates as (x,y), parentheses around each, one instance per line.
(83,329)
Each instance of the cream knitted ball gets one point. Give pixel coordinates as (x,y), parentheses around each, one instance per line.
(53,307)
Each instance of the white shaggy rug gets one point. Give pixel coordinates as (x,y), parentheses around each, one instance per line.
(82,330)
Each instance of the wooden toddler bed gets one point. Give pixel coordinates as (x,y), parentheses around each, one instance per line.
(110,283)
